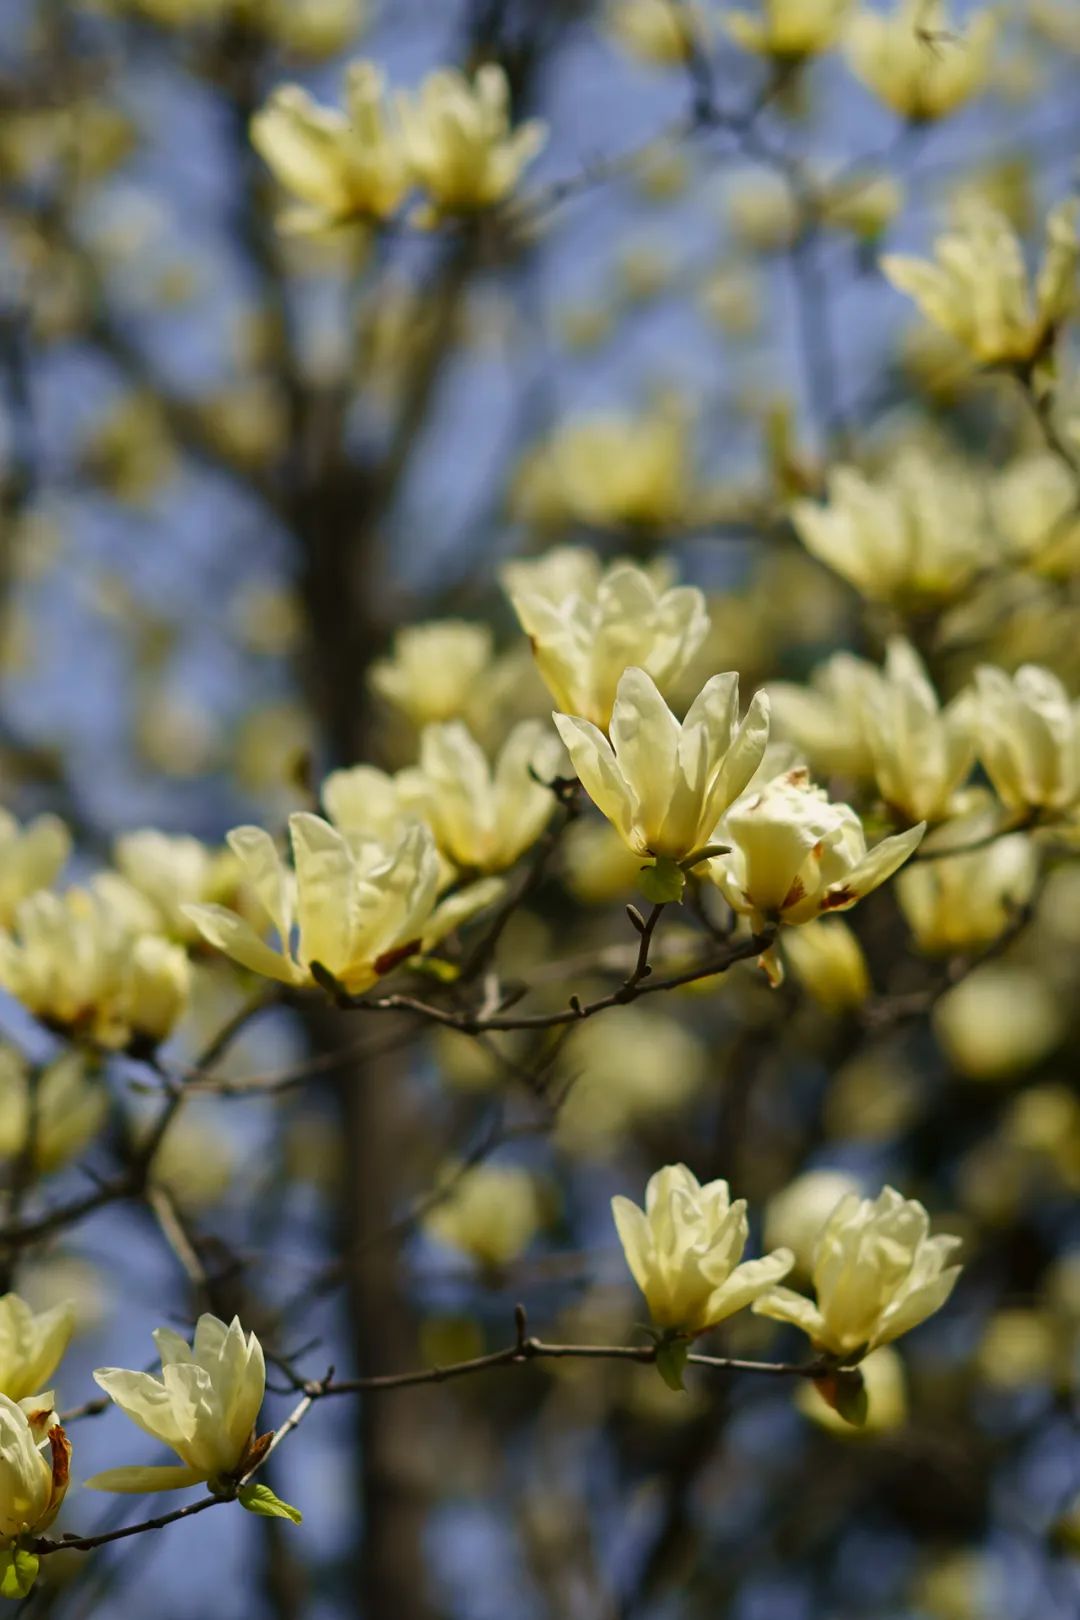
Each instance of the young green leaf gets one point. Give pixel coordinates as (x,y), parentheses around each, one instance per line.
(261,1499)
(18,1572)
(662,882)
(671,1357)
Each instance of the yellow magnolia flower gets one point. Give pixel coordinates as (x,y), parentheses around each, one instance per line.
(586,626)
(1057,22)
(877,1274)
(655,31)
(434,669)
(828,962)
(825,719)
(64,1108)
(795,1216)
(492,1213)
(1034,506)
(204,1406)
(965,902)
(158,874)
(916,533)
(316,28)
(31,1346)
(1028,737)
(684,1251)
(763,211)
(459,143)
(922,753)
(917,61)
(976,287)
(367,804)
(358,912)
(794,854)
(484,817)
(865,205)
(789,29)
(1002,1020)
(341,165)
(610,471)
(730,298)
(662,785)
(31,1487)
(640,1067)
(74,962)
(30,858)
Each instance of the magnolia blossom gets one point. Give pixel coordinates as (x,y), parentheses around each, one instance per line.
(32,1487)
(491,1213)
(662,785)
(789,29)
(1034,506)
(915,533)
(458,139)
(483,818)
(639,1068)
(341,165)
(611,471)
(31,1344)
(964,902)
(54,1117)
(976,287)
(30,858)
(652,30)
(864,204)
(74,961)
(684,1251)
(1028,737)
(922,753)
(204,1406)
(794,855)
(828,962)
(358,910)
(435,670)
(367,804)
(795,1216)
(877,1273)
(918,61)
(586,632)
(319,28)
(826,718)
(159,873)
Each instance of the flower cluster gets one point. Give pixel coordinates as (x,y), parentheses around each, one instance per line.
(976,288)
(452,139)
(877,1272)
(204,1407)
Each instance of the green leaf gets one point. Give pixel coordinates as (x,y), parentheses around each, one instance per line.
(846,1393)
(662,882)
(671,1357)
(18,1572)
(261,1499)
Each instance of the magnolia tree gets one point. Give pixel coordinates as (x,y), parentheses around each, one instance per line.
(539,877)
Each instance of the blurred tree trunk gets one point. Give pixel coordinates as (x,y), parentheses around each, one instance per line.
(338,514)
(338,519)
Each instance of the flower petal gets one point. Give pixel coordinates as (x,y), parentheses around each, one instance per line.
(134,1481)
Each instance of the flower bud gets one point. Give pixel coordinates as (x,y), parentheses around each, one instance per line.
(877,1273)
(684,1251)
